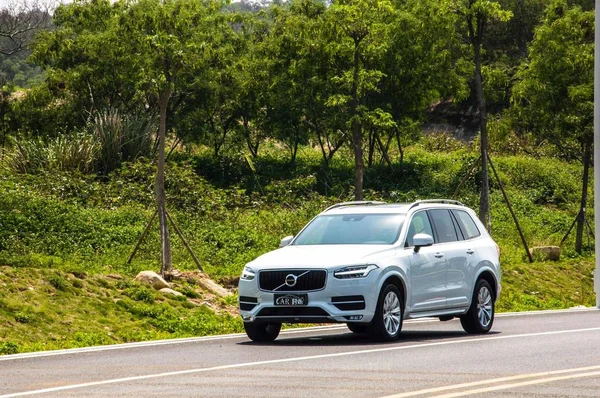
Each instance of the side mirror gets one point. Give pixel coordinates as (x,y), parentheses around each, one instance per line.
(286,241)
(422,240)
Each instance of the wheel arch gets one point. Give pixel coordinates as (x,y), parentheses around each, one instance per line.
(397,281)
(488,276)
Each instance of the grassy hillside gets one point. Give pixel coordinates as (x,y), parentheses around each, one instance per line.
(58,226)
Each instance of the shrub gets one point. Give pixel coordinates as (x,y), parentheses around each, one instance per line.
(140,294)
(24,317)
(7,348)
(121,137)
(58,282)
(72,152)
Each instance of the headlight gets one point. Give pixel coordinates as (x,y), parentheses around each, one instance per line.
(356,271)
(248,274)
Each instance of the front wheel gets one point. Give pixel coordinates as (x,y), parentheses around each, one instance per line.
(262,332)
(387,321)
(480,317)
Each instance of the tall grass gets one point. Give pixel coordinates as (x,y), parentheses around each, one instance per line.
(108,141)
(72,152)
(121,137)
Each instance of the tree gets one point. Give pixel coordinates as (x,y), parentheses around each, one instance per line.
(168,41)
(358,36)
(554,95)
(476,15)
(19,22)
(422,65)
(87,62)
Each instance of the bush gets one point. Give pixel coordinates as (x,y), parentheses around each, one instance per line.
(58,282)
(72,152)
(8,348)
(122,137)
(140,294)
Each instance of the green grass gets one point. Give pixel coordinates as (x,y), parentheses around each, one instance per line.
(54,226)
(45,309)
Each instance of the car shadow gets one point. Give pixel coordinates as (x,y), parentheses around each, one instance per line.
(354,339)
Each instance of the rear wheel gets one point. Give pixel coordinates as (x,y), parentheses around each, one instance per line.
(262,332)
(387,321)
(480,317)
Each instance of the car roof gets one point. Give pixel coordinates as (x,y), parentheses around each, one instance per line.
(372,207)
(392,208)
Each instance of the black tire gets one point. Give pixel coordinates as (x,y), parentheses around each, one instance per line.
(262,332)
(359,328)
(480,317)
(387,323)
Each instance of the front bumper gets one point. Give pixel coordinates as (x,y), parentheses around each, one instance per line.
(338,301)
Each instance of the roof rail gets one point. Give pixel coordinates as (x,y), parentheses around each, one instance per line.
(443,201)
(354,203)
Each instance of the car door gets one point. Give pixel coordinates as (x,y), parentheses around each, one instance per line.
(427,268)
(463,262)
(448,241)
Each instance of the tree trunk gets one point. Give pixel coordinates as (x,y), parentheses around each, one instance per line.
(357,131)
(294,148)
(161,196)
(400,149)
(371,148)
(581,218)
(252,147)
(484,199)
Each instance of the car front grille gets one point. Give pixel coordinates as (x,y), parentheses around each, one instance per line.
(306,280)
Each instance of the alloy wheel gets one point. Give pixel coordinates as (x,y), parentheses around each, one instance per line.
(484,307)
(391,313)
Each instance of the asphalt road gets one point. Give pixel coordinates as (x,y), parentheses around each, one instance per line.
(545,354)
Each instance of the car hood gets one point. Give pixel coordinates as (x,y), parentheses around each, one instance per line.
(321,256)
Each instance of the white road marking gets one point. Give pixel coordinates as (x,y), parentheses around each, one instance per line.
(155,343)
(293,359)
(490,381)
(521,384)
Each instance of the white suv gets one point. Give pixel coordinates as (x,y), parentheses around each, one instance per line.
(371,265)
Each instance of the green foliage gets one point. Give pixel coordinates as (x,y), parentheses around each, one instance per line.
(7,348)
(121,138)
(58,282)
(553,96)
(74,152)
(24,317)
(140,293)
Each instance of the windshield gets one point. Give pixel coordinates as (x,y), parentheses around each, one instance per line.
(352,229)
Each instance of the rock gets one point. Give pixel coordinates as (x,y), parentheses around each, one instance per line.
(202,280)
(153,279)
(170,291)
(212,286)
(546,252)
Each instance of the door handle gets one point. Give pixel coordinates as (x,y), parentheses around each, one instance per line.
(438,255)
(470,251)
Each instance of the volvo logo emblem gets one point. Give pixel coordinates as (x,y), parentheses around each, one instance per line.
(290,280)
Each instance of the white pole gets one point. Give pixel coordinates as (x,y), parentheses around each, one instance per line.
(597,151)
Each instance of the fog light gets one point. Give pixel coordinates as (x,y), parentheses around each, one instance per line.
(354,317)
(247,318)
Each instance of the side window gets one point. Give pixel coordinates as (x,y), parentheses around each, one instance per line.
(469,226)
(443,226)
(418,225)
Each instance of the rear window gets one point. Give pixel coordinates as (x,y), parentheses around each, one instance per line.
(352,229)
(442,222)
(469,226)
